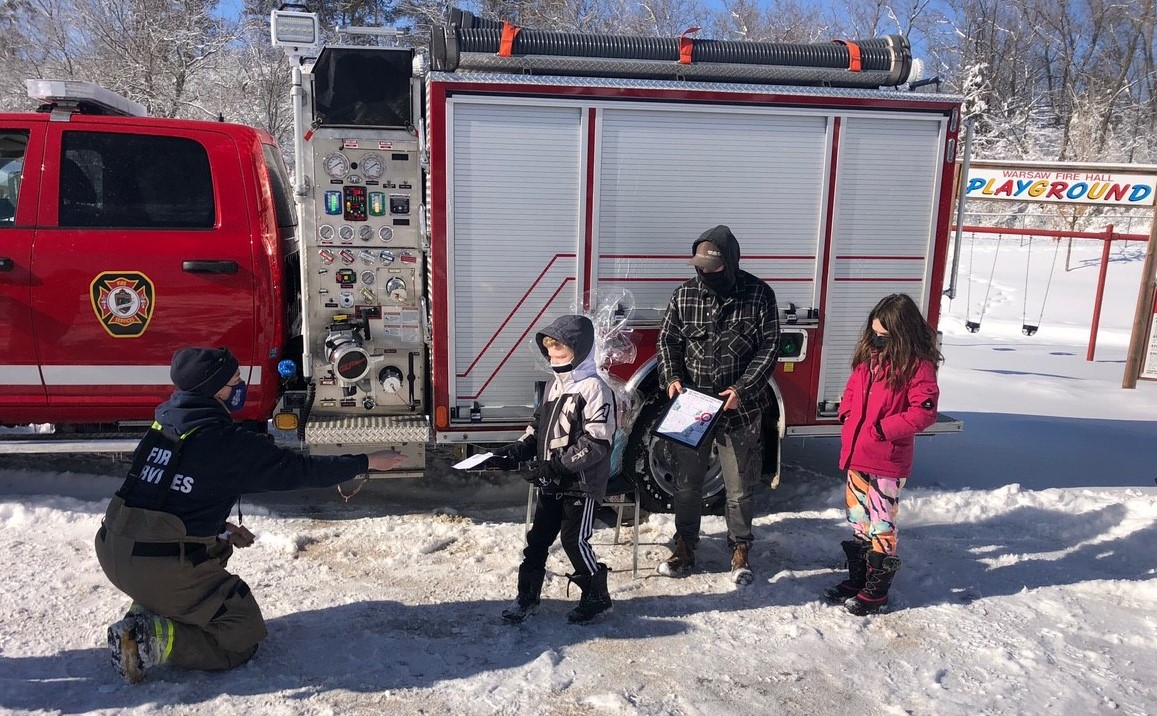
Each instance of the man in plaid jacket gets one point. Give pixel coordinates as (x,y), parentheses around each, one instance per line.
(720,335)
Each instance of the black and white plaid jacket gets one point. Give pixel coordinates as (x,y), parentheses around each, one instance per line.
(712,344)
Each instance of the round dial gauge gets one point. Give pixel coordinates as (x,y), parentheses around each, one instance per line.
(372,166)
(385,233)
(325,232)
(346,232)
(336,165)
(396,288)
(365,232)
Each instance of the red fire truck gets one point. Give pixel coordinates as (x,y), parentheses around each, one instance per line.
(446,204)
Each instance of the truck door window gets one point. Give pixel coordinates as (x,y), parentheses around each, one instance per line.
(279,183)
(135,181)
(13,145)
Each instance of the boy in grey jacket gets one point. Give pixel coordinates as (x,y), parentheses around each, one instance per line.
(571,437)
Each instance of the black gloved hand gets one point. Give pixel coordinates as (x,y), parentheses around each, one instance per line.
(505,458)
(550,477)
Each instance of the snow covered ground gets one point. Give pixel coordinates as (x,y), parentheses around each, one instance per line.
(1029,583)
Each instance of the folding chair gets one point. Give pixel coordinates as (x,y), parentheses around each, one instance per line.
(621,496)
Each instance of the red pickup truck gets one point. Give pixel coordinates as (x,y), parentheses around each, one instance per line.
(122,236)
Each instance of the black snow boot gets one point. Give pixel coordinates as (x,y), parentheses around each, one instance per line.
(874,596)
(857,552)
(595,599)
(529,595)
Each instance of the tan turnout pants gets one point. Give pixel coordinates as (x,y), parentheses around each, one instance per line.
(218,624)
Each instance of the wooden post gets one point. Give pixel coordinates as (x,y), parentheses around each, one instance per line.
(1138,339)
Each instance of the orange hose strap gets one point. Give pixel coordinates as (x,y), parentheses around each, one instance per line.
(854,64)
(686,46)
(506,45)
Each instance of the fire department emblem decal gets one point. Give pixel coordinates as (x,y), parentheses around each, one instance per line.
(123,302)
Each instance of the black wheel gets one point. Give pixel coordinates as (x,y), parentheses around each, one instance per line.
(648,459)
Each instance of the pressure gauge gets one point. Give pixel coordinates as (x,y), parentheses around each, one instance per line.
(325,232)
(396,288)
(385,233)
(390,378)
(336,165)
(372,166)
(346,232)
(365,232)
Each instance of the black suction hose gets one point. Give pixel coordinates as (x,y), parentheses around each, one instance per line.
(471,43)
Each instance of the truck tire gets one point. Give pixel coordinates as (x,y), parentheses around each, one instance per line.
(648,460)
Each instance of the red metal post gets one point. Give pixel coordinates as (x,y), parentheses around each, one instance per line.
(1100,293)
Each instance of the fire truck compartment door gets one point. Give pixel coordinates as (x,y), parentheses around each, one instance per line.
(127,209)
(513,234)
(882,230)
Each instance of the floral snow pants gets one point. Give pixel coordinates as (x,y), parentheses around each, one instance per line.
(872,503)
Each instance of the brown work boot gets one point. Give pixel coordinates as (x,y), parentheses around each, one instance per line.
(681,561)
(740,570)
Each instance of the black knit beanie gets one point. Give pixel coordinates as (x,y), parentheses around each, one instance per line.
(202,371)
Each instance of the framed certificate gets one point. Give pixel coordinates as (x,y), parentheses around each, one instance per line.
(689,418)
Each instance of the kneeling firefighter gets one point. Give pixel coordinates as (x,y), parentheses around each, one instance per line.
(164,540)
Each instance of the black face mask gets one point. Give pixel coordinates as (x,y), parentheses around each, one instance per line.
(716,282)
(879,342)
(564,368)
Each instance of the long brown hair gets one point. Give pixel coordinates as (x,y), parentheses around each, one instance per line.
(910,339)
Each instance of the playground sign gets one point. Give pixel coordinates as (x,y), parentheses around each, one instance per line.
(1057,184)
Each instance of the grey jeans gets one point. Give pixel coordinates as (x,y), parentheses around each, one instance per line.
(740,455)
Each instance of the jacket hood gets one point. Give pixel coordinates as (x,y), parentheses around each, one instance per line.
(728,245)
(184,411)
(576,331)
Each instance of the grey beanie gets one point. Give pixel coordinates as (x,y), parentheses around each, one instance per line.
(202,371)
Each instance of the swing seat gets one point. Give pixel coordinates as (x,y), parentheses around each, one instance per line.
(1029,330)
(972,326)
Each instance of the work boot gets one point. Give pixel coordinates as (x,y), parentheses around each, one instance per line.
(874,596)
(138,643)
(529,596)
(857,552)
(740,570)
(595,600)
(681,561)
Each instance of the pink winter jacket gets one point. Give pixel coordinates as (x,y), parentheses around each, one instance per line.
(880,423)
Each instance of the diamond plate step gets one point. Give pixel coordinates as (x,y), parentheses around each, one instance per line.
(368,430)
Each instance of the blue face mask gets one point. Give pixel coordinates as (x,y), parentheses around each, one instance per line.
(236,400)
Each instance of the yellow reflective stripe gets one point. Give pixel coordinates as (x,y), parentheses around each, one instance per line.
(165,633)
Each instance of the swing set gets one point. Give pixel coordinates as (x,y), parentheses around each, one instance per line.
(1030,328)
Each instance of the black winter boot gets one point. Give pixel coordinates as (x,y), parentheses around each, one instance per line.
(595,599)
(857,552)
(874,596)
(529,595)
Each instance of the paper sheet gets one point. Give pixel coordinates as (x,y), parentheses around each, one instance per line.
(473,461)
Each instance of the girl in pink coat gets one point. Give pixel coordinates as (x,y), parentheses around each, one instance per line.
(890,397)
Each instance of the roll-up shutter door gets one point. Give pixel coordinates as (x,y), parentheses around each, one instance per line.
(512,240)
